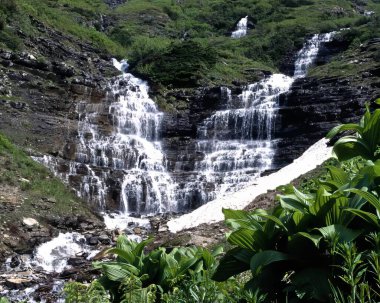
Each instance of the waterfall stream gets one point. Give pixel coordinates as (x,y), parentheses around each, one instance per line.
(118,153)
(241,28)
(119,163)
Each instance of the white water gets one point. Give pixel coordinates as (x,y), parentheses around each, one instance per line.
(237,142)
(307,55)
(241,28)
(120,137)
(119,158)
(212,211)
(52,256)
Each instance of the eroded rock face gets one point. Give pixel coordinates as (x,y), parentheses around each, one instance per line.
(41,92)
(314,106)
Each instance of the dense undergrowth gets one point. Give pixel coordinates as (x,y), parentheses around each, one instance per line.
(155,35)
(321,244)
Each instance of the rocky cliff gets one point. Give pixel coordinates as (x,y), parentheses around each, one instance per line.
(42,87)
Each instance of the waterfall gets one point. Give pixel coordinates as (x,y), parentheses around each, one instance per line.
(241,28)
(237,142)
(309,52)
(118,143)
(118,161)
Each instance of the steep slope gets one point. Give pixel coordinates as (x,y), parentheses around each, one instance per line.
(57,54)
(34,205)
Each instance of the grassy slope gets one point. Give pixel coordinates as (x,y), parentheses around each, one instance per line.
(27,189)
(143,30)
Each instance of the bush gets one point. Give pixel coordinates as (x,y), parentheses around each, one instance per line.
(181,64)
(176,275)
(8,6)
(321,246)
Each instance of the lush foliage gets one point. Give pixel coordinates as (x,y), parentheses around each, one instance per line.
(177,275)
(181,64)
(144,30)
(316,244)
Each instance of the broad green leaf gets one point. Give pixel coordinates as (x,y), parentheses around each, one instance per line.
(243,238)
(243,255)
(118,273)
(371,132)
(334,214)
(321,199)
(291,204)
(372,199)
(235,214)
(236,219)
(367,216)
(217,251)
(338,175)
(276,212)
(304,198)
(343,127)
(377,101)
(314,238)
(229,266)
(208,259)
(342,233)
(138,250)
(124,255)
(350,147)
(264,258)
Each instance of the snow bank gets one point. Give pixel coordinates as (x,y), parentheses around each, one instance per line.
(212,211)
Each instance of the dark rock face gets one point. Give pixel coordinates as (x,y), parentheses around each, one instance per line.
(314,106)
(39,101)
(114,3)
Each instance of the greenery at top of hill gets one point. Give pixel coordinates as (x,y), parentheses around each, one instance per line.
(154,34)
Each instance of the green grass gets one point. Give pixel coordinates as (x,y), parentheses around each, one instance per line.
(32,185)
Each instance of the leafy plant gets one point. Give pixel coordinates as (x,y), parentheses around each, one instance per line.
(364,143)
(135,274)
(309,239)
(79,293)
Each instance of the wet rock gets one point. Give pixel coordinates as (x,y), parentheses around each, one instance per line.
(104,239)
(76,261)
(15,261)
(18,283)
(93,241)
(137,231)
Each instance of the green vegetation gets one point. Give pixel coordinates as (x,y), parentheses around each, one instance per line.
(163,275)
(316,244)
(150,32)
(26,185)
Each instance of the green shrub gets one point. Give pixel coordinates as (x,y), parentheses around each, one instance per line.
(182,64)
(311,241)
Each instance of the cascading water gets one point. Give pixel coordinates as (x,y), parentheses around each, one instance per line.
(118,139)
(119,149)
(237,142)
(307,55)
(241,28)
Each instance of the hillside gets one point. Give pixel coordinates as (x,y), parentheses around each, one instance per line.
(157,36)
(213,114)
